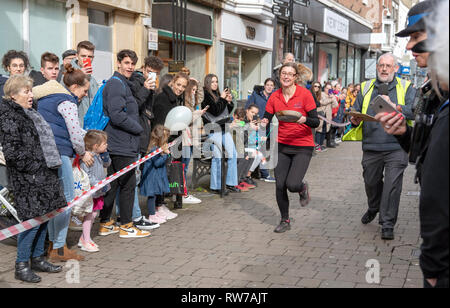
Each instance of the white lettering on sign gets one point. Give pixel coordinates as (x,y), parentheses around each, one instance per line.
(336,25)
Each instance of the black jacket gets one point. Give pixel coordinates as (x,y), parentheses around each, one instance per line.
(434,197)
(38,78)
(36,188)
(216,107)
(2,84)
(164,102)
(123,127)
(144,97)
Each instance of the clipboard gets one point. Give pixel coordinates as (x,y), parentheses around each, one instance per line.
(361,116)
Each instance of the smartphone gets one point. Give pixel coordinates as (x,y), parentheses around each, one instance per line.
(256,117)
(330,91)
(226,89)
(87,62)
(152,76)
(379,104)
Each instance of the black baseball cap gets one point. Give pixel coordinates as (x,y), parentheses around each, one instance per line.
(69,52)
(416,17)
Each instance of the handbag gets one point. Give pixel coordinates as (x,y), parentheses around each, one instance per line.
(221,119)
(177,180)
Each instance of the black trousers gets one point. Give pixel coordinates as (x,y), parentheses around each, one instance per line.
(289,173)
(127,184)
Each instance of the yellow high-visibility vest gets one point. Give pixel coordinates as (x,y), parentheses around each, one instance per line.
(356,134)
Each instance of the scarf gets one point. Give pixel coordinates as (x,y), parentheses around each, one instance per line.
(46,138)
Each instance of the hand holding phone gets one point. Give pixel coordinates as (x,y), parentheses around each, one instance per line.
(87,65)
(380,104)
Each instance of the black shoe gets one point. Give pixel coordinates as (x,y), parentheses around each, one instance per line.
(178,205)
(250,181)
(23,272)
(143,224)
(40,265)
(304,195)
(218,192)
(283,226)
(387,234)
(368,217)
(233,189)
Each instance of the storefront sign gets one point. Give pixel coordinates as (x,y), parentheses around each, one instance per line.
(336,25)
(370,69)
(175,66)
(302,2)
(280,11)
(300,28)
(245,32)
(152,39)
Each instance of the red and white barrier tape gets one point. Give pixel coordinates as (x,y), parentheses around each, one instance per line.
(333,123)
(34,222)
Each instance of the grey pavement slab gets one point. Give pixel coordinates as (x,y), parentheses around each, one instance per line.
(230,242)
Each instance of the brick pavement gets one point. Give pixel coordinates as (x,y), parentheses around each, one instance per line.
(231,243)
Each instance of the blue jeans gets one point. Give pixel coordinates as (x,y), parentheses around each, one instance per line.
(232,176)
(30,243)
(59,225)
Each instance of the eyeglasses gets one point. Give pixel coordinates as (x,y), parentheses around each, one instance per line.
(316,86)
(288,74)
(388,66)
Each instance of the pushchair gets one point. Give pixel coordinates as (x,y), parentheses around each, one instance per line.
(8,214)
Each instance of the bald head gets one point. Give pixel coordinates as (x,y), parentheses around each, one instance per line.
(288,57)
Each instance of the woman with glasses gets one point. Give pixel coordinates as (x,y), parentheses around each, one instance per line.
(15,63)
(295,140)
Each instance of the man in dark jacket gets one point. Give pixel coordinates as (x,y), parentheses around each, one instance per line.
(49,69)
(143,85)
(381,152)
(123,146)
(430,151)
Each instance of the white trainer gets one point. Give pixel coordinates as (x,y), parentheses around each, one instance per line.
(190,199)
(169,214)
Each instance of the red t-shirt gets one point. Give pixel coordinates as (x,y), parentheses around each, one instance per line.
(293,133)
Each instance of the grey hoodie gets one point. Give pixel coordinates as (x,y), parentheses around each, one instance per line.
(87,100)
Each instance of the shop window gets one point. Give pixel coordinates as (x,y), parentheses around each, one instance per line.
(297,48)
(307,55)
(350,64)
(281,34)
(46,15)
(11,28)
(327,66)
(232,69)
(100,34)
(343,64)
(358,66)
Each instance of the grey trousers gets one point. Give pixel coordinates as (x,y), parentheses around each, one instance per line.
(383,179)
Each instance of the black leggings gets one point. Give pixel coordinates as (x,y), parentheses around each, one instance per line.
(289,173)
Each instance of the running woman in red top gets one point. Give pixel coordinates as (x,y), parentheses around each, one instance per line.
(295,140)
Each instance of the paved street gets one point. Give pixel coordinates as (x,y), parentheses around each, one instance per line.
(231,243)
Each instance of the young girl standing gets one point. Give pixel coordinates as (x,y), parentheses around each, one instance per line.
(96,142)
(154,181)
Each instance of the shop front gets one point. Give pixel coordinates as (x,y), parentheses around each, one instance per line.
(199,36)
(245,53)
(328,42)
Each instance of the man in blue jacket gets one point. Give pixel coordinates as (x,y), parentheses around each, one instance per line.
(123,146)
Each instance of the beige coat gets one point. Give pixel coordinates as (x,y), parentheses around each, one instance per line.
(327,104)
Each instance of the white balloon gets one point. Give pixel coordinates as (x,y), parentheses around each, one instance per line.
(179,118)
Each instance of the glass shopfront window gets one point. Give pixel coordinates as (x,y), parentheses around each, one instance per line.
(281,35)
(343,63)
(358,66)
(327,66)
(350,64)
(307,55)
(232,69)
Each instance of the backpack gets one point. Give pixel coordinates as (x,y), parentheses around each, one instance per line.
(95,118)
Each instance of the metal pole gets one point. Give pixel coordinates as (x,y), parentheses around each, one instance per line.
(185,30)
(173,29)
(290,25)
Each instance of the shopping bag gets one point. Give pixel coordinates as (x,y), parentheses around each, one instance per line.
(81,184)
(177,181)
